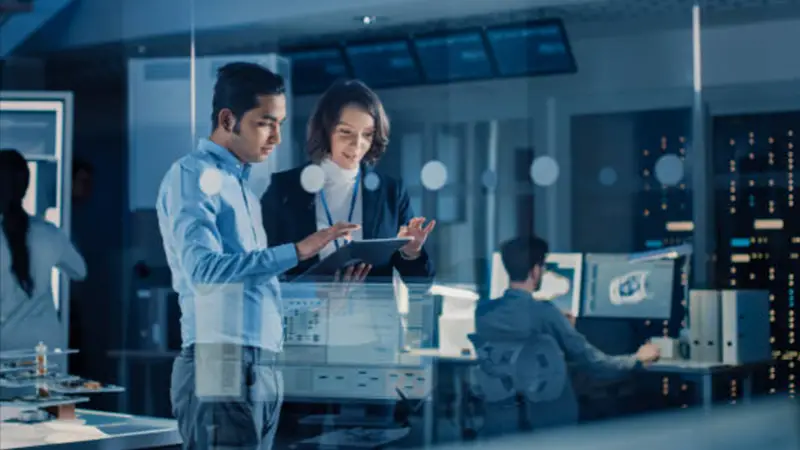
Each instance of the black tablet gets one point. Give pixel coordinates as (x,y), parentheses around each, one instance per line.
(376,252)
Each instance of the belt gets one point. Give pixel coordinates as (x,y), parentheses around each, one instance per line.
(246,353)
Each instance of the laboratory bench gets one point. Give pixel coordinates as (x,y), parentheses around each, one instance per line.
(92,430)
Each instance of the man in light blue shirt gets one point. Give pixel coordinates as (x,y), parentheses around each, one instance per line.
(226,392)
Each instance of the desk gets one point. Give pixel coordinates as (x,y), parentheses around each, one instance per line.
(460,364)
(92,430)
(705,372)
(148,359)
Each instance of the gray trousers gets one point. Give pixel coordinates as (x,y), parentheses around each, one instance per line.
(226,397)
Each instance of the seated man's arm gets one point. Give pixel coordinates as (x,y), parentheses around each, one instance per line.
(191,216)
(578,349)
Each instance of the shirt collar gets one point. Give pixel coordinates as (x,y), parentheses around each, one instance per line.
(227,159)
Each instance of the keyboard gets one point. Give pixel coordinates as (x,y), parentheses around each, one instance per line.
(685,364)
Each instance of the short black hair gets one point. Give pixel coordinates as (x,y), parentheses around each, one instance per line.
(521,255)
(238,86)
(329,108)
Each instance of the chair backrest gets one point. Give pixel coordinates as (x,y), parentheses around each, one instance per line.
(535,368)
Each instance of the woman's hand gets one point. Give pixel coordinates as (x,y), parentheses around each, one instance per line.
(353,274)
(339,292)
(418,235)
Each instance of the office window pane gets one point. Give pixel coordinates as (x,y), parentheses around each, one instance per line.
(416,204)
(448,207)
(411,159)
(448,147)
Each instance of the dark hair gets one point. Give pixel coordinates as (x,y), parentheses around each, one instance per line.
(238,87)
(14,179)
(521,255)
(326,116)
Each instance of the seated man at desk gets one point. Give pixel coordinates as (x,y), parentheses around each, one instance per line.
(531,331)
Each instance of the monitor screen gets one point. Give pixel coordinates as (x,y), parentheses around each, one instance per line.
(453,57)
(313,71)
(383,64)
(561,282)
(536,49)
(615,287)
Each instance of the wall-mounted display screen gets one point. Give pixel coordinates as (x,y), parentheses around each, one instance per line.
(384,64)
(453,57)
(314,70)
(537,48)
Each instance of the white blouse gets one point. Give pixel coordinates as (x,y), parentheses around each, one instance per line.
(338,189)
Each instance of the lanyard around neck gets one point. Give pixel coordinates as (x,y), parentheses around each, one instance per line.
(356,186)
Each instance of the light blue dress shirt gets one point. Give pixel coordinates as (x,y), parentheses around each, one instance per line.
(216,247)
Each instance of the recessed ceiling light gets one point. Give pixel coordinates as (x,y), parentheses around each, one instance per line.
(367,20)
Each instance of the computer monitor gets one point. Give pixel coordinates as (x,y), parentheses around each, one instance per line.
(561,282)
(614,287)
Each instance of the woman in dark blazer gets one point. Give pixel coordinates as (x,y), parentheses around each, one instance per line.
(347,134)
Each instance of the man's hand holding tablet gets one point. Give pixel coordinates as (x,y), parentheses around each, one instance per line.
(312,245)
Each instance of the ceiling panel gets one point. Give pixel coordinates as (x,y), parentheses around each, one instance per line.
(238,25)
(606,14)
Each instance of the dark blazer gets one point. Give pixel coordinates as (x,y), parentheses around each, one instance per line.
(289,213)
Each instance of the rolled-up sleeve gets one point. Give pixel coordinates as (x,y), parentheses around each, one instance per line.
(192,224)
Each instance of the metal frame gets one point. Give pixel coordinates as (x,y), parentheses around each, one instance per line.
(702,169)
(60,103)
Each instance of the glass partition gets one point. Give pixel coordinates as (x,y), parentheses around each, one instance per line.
(753,115)
(614,131)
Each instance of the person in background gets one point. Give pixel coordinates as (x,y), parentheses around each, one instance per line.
(516,317)
(210,223)
(30,248)
(82,187)
(348,133)
(82,181)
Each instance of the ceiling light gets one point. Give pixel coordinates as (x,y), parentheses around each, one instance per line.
(367,20)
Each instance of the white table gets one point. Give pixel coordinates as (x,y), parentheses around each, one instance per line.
(460,364)
(92,430)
